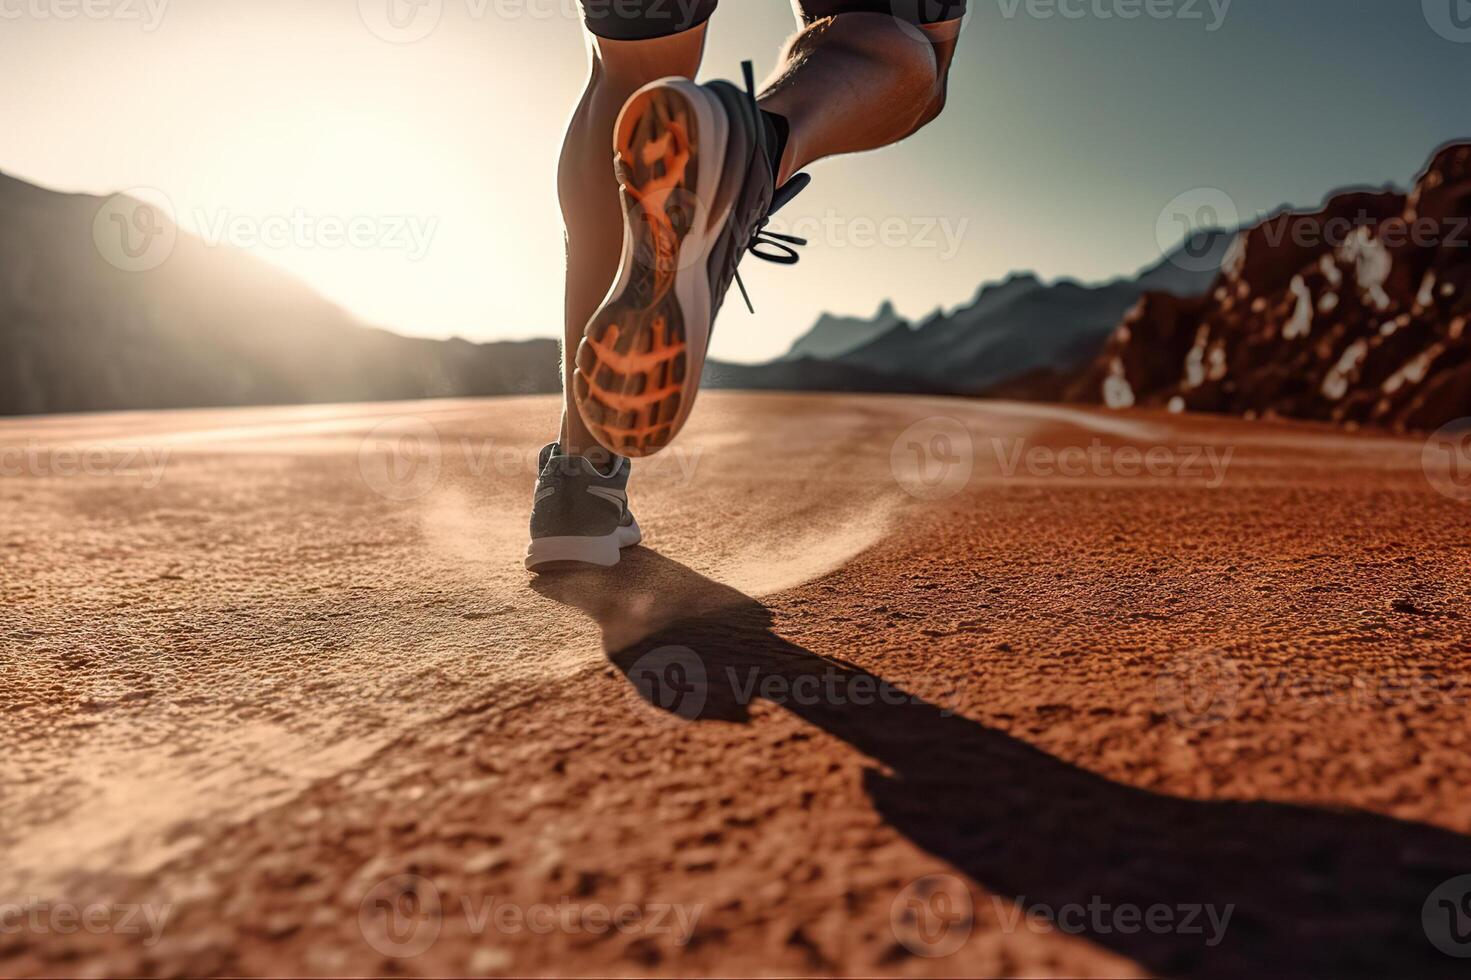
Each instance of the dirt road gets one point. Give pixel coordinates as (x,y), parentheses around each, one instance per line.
(899,686)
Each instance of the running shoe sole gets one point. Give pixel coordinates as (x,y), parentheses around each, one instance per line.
(638,366)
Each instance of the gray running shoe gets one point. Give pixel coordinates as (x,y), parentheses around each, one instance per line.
(697,186)
(578,514)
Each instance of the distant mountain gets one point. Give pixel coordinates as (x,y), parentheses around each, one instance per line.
(206,326)
(995,296)
(832,336)
(1015,329)
(1354,313)
(213,326)
(1054,326)
(1279,318)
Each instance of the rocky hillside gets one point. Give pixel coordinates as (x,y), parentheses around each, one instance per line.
(1355,313)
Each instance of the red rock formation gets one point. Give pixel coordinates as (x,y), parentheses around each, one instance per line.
(1354,314)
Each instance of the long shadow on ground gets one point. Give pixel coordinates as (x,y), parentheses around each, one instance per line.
(1315,892)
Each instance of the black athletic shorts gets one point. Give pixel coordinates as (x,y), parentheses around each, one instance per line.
(640,20)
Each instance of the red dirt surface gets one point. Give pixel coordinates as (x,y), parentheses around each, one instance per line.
(891,687)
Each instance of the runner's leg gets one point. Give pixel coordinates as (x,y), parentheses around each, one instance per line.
(857,80)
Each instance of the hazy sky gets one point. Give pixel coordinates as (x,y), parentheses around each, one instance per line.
(1071,128)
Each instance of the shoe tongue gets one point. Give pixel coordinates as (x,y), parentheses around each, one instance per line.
(775,132)
(607,472)
(787,191)
(571,464)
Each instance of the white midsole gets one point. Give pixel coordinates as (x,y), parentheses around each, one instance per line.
(692,276)
(602,549)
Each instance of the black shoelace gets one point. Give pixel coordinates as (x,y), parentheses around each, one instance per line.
(770,246)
